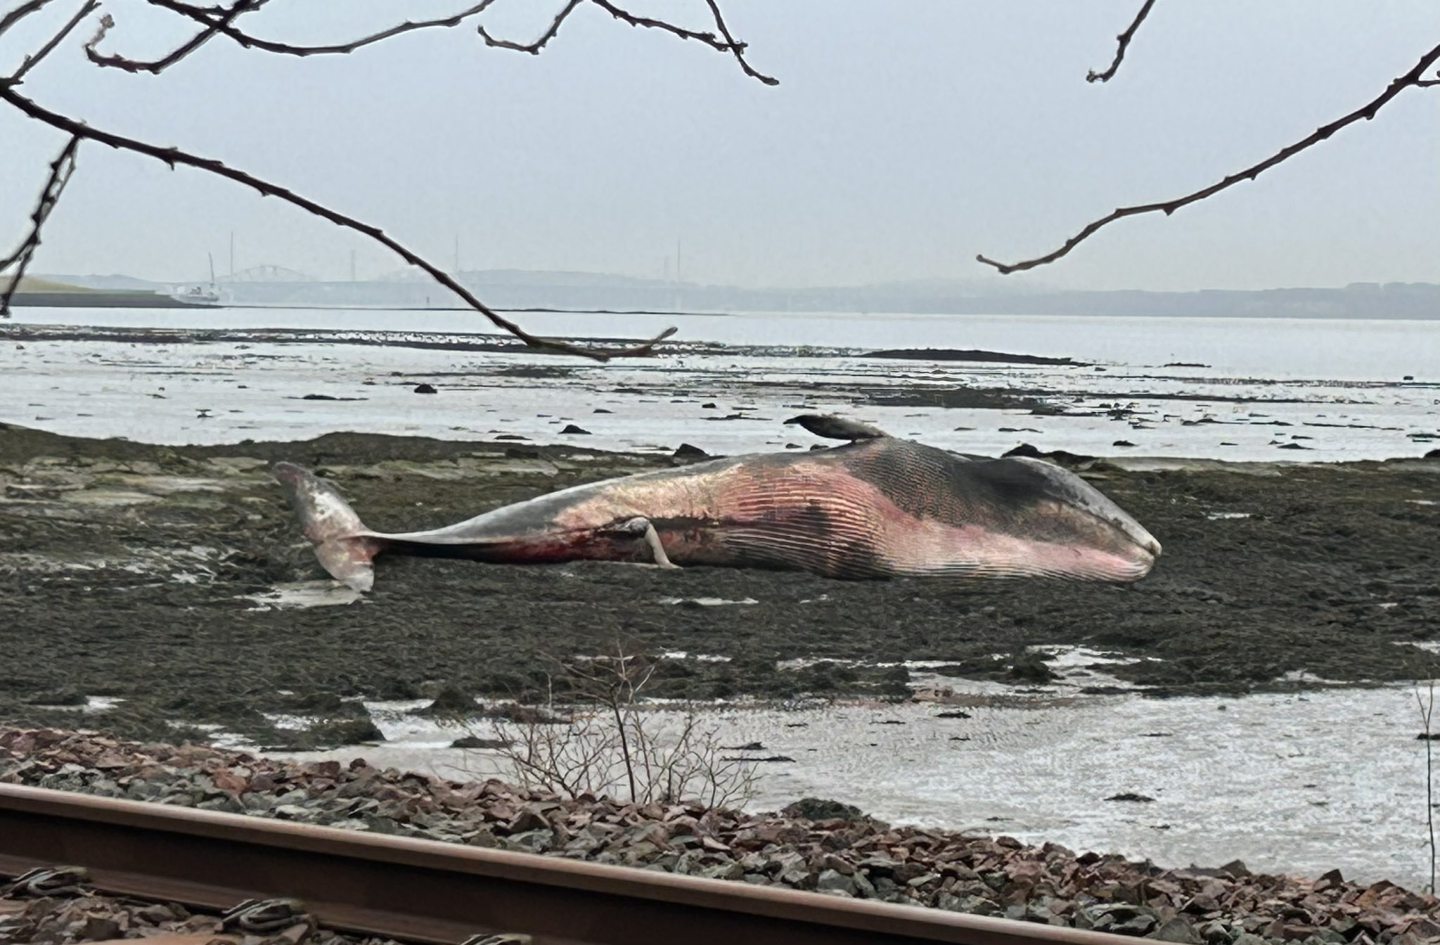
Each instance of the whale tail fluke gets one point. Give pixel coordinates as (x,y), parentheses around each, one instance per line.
(342,543)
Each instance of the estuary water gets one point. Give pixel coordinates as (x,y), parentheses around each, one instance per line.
(1276,348)
(1229,388)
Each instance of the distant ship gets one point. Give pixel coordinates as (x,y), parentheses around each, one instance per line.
(196,294)
(206,294)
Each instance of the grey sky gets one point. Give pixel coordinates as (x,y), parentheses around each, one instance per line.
(904,138)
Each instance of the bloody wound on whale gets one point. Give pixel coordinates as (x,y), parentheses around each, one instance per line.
(878,507)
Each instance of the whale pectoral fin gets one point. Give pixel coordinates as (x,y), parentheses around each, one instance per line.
(645,529)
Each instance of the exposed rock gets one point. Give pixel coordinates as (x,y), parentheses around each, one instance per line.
(833,881)
(451,702)
(966,354)
(1030,666)
(424,389)
(332,733)
(1059,457)
(817,808)
(64,696)
(476,742)
(686,451)
(762,759)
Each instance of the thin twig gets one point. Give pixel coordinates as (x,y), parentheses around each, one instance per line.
(727,44)
(1427,709)
(737,49)
(173,156)
(20,13)
(207,17)
(532,47)
(60,170)
(156,66)
(1366,112)
(32,60)
(1123,43)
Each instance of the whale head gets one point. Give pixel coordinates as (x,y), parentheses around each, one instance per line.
(1085,534)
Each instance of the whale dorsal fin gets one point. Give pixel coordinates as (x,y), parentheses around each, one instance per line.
(837,428)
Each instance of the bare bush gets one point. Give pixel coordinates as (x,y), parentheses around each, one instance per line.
(605,741)
(1426,705)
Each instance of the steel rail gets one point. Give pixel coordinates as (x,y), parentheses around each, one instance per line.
(440,893)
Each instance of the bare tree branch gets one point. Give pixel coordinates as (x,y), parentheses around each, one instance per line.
(60,170)
(737,49)
(20,13)
(1123,43)
(222,22)
(156,66)
(219,19)
(1365,112)
(32,60)
(727,44)
(174,156)
(533,47)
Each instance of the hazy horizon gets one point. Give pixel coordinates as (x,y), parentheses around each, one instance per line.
(896,147)
(1030,286)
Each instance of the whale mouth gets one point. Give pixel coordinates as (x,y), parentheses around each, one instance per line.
(1126,548)
(1136,546)
(1138,536)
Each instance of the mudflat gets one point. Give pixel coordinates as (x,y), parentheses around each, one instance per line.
(174,581)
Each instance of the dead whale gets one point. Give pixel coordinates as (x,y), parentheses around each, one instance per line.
(878,507)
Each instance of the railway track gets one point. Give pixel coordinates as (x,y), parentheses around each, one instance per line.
(441,894)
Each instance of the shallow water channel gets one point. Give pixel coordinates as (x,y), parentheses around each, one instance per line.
(1295,783)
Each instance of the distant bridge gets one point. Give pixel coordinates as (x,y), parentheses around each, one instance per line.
(268,273)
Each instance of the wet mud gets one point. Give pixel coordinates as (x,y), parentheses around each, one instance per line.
(163,587)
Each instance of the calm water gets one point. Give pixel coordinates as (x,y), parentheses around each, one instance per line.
(1269,390)
(1334,349)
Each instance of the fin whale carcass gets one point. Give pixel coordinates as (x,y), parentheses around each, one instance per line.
(876,508)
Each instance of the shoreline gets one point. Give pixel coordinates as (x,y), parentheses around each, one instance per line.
(814,845)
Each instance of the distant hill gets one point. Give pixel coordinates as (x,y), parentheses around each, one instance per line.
(120,282)
(32,284)
(587,291)
(531,277)
(49,292)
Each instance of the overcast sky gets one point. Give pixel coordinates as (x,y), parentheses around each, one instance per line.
(904,138)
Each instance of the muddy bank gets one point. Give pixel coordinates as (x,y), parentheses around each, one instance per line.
(165,580)
(968,354)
